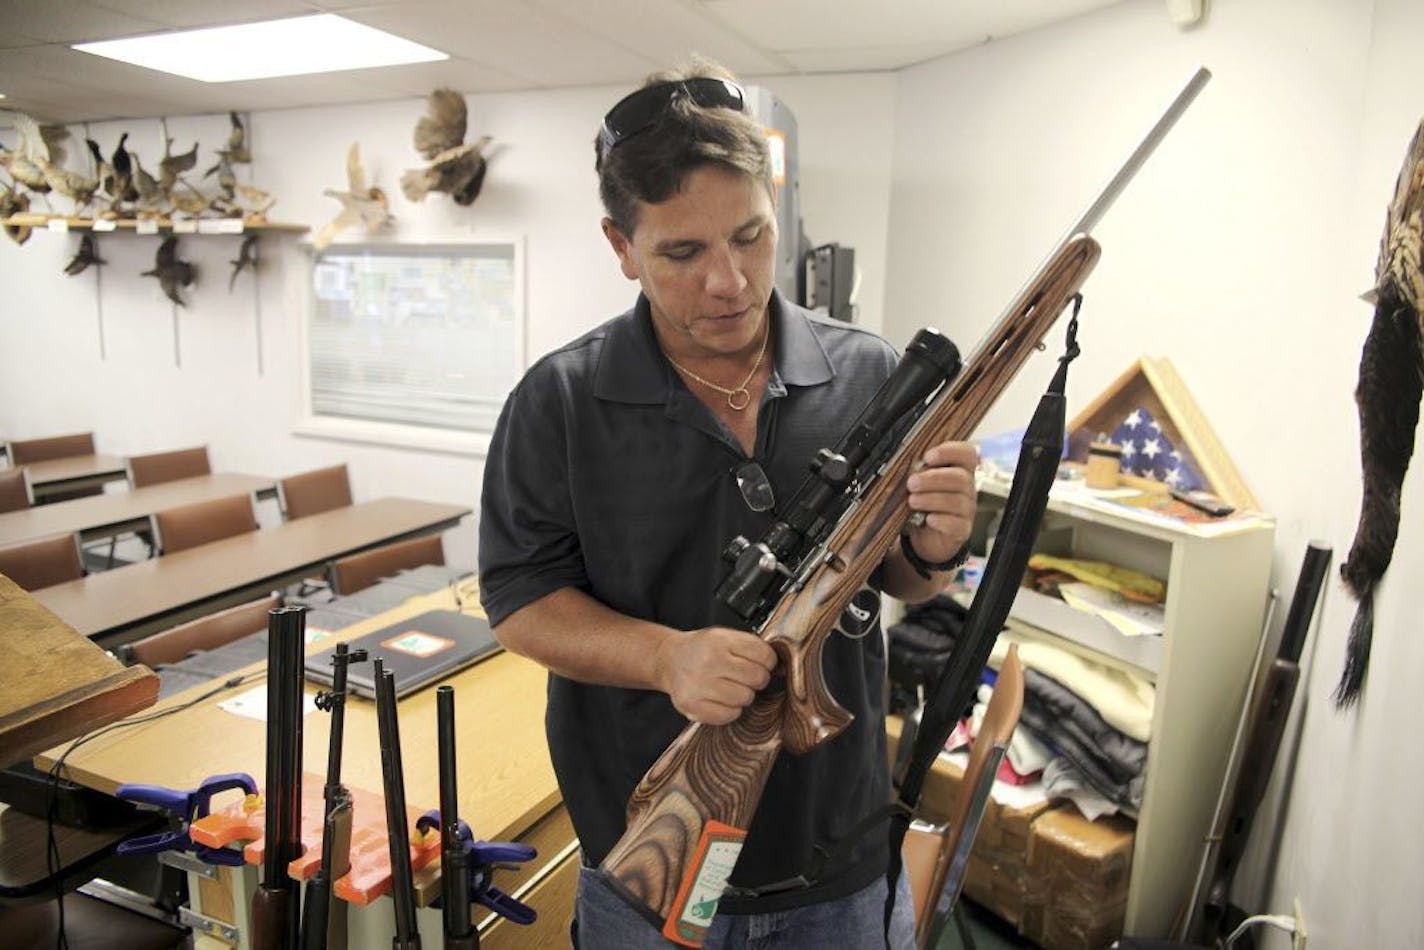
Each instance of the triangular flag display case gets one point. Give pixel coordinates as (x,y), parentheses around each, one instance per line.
(1152,384)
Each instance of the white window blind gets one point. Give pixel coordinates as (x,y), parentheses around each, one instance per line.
(417,336)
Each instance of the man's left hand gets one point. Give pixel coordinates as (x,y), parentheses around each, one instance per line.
(944,491)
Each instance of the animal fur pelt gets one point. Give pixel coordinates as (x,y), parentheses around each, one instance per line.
(1388,395)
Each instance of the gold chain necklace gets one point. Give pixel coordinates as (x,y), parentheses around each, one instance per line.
(741,397)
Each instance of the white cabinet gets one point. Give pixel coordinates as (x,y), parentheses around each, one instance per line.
(1218,578)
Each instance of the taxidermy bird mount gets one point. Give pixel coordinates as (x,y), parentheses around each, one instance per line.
(360,203)
(27,160)
(14,202)
(38,163)
(171,272)
(246,260)
(1388,394)
(456,167)
(87,254)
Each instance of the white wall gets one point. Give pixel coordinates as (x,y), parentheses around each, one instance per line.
(1239,253)
(164,382)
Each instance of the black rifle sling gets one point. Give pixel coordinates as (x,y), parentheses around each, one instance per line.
(1023,514)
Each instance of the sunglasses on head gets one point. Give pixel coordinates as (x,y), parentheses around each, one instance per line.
(639,111)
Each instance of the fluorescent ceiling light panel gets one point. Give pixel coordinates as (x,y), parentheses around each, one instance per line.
(297,46)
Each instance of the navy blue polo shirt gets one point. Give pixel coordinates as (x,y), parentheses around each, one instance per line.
(606,474)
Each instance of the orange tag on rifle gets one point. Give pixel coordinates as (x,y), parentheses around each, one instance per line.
(702,887)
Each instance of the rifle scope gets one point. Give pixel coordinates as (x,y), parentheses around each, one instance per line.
(837,476)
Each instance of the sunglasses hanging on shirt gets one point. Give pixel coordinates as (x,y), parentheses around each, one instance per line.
(755,486)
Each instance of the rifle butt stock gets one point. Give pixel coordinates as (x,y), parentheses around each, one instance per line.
(272,913)
(323,914)
(688,817)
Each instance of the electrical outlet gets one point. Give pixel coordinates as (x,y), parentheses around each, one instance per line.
(1298,937)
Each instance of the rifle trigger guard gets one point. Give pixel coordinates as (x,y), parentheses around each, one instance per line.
(865,617)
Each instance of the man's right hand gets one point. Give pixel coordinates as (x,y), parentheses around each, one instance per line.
(714,673)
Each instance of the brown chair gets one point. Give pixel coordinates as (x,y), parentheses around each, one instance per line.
(187,526)
(359,571)
(42,563)
(26,451)
(205,633)
(15,494)
(158,467)
(311,493)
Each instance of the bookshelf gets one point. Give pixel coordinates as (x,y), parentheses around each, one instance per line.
(1218,578)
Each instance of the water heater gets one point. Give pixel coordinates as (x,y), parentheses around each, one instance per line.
(791,248)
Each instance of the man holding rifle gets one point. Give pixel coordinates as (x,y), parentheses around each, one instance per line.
(626,460)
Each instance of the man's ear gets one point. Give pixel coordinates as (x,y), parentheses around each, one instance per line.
(621,247)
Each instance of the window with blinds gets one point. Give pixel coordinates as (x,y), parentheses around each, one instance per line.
(409,343)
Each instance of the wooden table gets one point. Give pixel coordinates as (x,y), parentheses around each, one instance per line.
(115,513)
(24,867)
(129,602)
(507,790)
(54,683)
(69,474)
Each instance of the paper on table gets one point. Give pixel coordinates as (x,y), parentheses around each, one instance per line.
(253,704)
(1130,618)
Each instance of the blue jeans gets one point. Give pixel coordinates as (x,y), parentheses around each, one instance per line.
(603,921)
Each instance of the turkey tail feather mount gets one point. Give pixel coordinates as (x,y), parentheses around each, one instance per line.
(1388,395)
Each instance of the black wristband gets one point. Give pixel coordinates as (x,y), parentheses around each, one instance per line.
(925,568)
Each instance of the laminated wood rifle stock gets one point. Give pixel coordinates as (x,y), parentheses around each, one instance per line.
(688,816)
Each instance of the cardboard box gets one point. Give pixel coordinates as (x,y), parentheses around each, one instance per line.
(1083,868)
(998,875)
(1058,878)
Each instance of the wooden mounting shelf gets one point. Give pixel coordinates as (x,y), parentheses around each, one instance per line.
(64,222)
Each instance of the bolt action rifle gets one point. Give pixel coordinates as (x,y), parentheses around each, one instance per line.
(688,816)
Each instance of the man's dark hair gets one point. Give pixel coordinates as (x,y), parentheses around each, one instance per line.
(651,166)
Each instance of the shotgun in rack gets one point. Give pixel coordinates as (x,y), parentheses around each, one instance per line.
(276,904)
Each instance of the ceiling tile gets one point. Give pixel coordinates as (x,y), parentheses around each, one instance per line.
(71,21)
(495,45)
(9,39)
(789,25)
(97,76)
(887,58)
(521,40)
(418,79)
(668,33)
(189,14)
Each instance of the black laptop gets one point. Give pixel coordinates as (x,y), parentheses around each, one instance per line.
(418,650)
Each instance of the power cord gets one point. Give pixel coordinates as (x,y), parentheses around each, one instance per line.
(1280,921)
(53,865)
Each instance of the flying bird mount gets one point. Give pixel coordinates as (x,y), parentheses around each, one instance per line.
(455,167)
